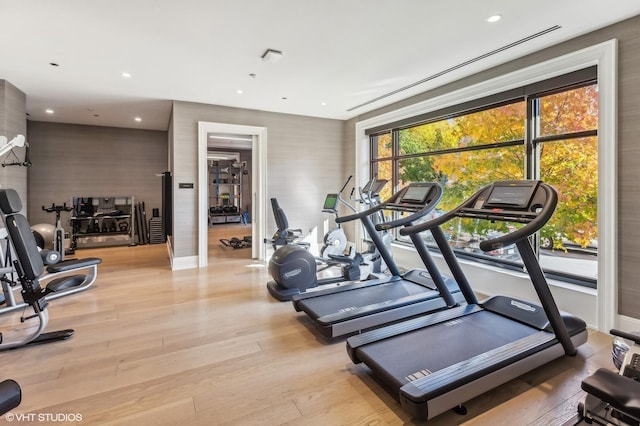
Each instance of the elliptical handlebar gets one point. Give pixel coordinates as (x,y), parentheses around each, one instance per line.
(342,200)
(345,184)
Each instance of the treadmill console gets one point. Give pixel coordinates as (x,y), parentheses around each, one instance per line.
(511,194)
(507,201)
(413,197)
(374,186)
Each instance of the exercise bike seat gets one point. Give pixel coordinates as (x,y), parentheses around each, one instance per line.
(621,392)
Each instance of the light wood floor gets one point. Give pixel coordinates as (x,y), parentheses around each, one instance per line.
(205,347)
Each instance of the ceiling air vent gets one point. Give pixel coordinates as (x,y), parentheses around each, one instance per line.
(458,66)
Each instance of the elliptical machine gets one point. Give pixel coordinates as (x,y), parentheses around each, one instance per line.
(294,269)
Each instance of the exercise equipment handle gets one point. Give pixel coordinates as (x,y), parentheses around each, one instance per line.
(345,184)
(625,335)
(530,228)
(55,208)
(358,215)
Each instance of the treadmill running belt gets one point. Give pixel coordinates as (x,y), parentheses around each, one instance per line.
(415,356)
(341,302)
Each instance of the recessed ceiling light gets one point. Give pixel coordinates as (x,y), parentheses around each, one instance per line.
(239,91)
(48,111)
(494,18)
(126,74)
(138,119)
(323,103)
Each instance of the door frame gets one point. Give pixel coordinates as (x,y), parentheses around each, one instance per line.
(258,184)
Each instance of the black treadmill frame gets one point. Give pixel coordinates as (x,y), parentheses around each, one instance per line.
(438,289)
(434,393)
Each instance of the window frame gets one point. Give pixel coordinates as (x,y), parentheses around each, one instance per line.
(601,305)
(531,140)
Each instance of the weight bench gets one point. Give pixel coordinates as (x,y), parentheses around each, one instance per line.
(29,267)
(611,395)
(56,279)
(614,398)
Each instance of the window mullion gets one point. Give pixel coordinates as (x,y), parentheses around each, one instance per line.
(532,154)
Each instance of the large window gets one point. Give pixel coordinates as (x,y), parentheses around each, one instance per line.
(550,135)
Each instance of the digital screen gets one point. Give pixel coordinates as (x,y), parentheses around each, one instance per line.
(330,202)
(416,194)
(377,187)
(511,195)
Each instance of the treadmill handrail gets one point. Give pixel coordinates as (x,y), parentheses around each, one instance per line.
(359,215)
(394,204)
(545,213)
(533,220)
(437,221)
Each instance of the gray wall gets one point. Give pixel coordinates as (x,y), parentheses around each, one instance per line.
(13,121)
(628,35)
(90,161)
(304,162)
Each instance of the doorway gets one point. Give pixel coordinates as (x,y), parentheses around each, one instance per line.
(257,197)
(229,193)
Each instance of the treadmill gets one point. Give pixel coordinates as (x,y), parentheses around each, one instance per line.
(354,306)
(438,361)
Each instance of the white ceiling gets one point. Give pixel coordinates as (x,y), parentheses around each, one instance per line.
(340,52)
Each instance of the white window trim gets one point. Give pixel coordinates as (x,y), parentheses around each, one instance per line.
(604,55)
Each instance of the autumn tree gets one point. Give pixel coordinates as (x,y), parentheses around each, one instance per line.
(465,154)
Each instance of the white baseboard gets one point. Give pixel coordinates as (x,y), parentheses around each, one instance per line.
(180,263)
(628,324)
(186,262)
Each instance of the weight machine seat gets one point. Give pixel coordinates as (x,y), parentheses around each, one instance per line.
(10,204)
(10,396)
(621,392)
(73,264)
(19,232)
(29,267)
